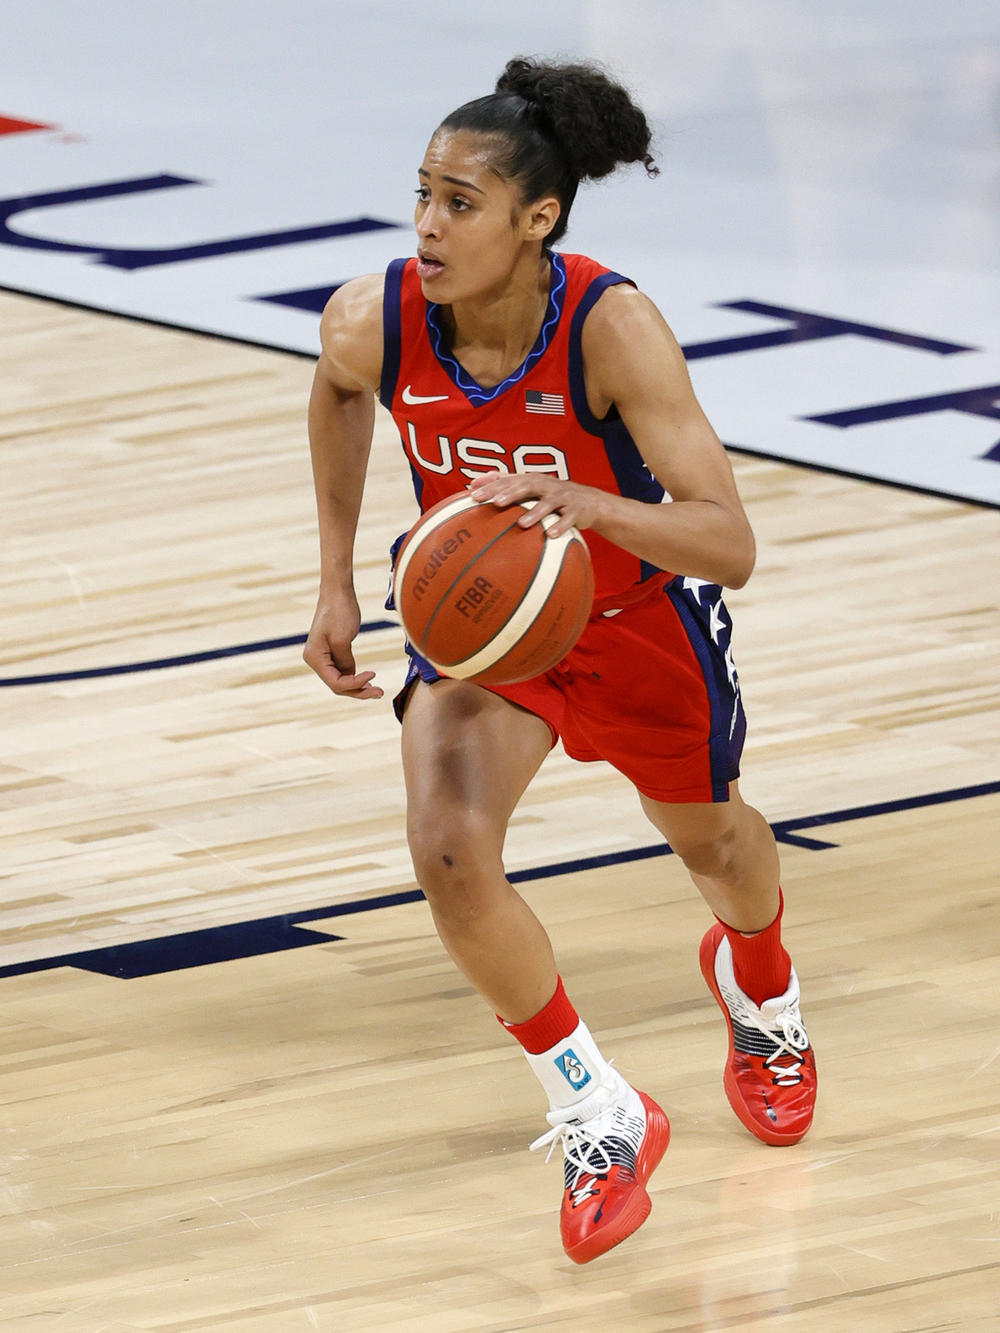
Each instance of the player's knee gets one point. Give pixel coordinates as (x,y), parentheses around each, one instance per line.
(716,856)
(455,860)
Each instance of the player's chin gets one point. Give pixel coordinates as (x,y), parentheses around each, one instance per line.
(438,284)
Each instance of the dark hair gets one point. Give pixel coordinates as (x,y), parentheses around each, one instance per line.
(557,125)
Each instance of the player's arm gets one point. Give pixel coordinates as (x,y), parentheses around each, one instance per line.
(632,360)
(341,421)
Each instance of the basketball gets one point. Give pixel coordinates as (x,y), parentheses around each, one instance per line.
(488,601)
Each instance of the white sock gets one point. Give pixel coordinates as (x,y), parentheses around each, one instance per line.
(572,1069)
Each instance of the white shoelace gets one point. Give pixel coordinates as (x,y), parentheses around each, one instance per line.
(577,1141)
(792,1043)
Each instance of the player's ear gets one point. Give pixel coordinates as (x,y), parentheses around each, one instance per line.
(543,215)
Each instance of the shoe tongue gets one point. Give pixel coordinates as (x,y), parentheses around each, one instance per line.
(787,1003)
(785,1022)
(771,1009)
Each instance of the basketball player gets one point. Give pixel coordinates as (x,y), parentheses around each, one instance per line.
(522,373)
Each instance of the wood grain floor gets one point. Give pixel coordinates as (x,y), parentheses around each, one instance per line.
(334,1136)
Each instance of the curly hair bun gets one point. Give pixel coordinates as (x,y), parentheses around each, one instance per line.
(592,118)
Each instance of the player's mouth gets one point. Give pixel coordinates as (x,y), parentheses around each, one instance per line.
(428,266)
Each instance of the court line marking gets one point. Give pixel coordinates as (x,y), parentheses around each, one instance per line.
(276,934)
(185,659)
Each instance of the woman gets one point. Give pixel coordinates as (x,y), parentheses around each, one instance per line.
(521,373)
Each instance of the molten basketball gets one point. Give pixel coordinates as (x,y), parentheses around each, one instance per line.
(486,600)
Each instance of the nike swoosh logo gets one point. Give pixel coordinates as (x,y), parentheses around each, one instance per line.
(410,398)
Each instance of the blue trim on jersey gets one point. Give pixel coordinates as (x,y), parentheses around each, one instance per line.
(632,476)
(631,473)
(577,387)
(392,351)
(417,477)
(475,393)
(390,600)
(392,330)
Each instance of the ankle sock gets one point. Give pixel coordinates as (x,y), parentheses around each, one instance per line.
(561,1051)
(761,965)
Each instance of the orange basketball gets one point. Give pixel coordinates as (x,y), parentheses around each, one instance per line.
(485,600)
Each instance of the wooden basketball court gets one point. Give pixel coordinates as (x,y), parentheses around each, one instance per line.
(323,1128)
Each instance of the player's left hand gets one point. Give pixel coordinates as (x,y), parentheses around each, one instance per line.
(576,506)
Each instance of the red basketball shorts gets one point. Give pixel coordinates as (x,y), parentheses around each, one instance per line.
(650,687)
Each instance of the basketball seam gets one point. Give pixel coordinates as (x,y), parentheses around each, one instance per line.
(463,573)
(523,615)
(585,610)
(460,503)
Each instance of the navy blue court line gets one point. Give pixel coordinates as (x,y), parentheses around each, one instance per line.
(935,493)
(187,659)
(276,934)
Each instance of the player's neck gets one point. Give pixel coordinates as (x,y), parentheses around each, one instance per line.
(492,334)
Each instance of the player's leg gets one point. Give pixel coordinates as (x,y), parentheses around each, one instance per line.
(730,853)
(468,756)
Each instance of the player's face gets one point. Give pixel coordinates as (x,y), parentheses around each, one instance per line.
(472,225)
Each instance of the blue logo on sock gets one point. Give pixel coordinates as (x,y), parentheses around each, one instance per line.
(572,1069)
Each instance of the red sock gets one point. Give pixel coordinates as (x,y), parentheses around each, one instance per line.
(550,1025)
(761,966)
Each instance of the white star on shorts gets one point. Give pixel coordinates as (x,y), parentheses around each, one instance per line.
(695,586)
(715,621)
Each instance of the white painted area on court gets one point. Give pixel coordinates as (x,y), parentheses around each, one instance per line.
(837,161)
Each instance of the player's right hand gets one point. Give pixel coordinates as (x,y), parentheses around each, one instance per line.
(328,649)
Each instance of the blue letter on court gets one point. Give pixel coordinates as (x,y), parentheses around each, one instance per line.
(984,402)
(128,259)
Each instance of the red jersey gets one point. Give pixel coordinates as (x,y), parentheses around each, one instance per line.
(537,420)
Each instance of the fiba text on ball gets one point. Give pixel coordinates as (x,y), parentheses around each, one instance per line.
(477,599)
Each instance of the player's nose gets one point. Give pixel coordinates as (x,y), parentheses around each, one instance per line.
(429,221)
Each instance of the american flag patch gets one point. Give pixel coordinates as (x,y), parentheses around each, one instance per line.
(552,404)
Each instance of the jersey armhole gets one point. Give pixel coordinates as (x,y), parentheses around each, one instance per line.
(577,384)
(391,331)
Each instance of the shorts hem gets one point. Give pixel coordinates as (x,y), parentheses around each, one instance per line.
(704,795)
(429,676)
(691,796)
(526,708)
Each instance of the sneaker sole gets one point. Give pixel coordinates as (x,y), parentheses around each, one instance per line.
(639,1205)
(706,956)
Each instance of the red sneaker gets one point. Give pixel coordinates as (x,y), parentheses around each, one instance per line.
(611,1146)
(770,1075)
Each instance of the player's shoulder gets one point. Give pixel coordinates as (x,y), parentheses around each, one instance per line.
(351,329)
(621,306)
(355,305)
(629,349)
(623,320)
